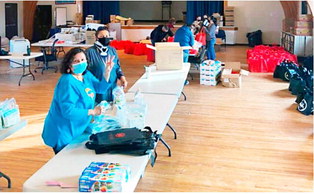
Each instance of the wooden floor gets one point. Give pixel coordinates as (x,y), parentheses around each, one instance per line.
(229,139)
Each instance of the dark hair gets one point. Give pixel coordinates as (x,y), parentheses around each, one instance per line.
(214,20)
(68,59)
(101,28)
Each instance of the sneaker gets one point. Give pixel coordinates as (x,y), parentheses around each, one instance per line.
(186,82)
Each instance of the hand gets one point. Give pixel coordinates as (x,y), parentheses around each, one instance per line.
(124,83)
(96,111)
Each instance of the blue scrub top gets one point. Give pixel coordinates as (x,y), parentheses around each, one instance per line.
(68,114)
(185,37)
(97,66)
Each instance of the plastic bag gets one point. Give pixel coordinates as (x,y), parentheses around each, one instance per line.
(118,96)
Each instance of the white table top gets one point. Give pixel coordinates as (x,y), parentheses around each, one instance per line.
(49,44)
(20,56)
(68,164)
(5,132)
(169,82)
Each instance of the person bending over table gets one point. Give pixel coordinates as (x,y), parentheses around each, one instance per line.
(160,33)
(73,102)
(99,55)
(184,35)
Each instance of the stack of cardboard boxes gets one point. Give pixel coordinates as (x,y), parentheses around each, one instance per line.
(123,21)
(90,19)
(229,16)
(210,72)
(303,25)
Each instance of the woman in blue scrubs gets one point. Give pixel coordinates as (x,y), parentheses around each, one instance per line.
(98,56)
(73,102)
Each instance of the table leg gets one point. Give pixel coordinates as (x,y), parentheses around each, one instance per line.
(172,129)
(167,146)
(24,75)
(6,177)
(184,96)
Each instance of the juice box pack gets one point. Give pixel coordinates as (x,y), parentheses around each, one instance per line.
(104,177)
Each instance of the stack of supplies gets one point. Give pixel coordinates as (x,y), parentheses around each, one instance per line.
(9,113)
(104,177)
(209,72)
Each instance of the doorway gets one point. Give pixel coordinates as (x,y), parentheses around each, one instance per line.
(11,20)
(42,22)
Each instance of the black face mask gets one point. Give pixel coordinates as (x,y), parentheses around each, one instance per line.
(104,41)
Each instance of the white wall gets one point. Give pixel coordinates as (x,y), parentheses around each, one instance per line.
(151,10)
(254,15)
(19,16)
(72,9)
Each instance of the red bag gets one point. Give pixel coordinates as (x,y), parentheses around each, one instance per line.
(150,55)
(170,39)
(201,37)
(129,48)
(139,49)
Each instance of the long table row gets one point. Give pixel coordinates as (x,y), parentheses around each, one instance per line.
(67,166)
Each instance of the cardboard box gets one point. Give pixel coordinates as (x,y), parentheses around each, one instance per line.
(307,17)
(229,23)
(232,80)
(303,24)
(90,37)
(210,72)
(130,22)
(168,56)
(303,31)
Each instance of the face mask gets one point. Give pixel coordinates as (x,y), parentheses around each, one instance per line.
(79,67)
(104,41)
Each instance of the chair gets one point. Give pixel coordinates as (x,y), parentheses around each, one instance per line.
(48,55)
(198,59)
(221,38)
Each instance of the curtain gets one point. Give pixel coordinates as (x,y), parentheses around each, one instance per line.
(101,9)
(199,8)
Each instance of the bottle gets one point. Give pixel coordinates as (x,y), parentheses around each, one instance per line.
(28,50)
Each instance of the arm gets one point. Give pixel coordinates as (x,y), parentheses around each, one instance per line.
(101,86)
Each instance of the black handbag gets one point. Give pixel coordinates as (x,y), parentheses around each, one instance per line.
(306,104)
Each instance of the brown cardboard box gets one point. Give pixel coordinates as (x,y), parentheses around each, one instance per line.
(307,17)
(168,56)
(229,23)
(130,22)
(303,24)
(303,31)
(90,37)
(229,79)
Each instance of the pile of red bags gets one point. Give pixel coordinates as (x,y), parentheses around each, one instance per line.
(265,58)
(129,47)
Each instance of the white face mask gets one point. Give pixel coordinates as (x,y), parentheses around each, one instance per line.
(101,48)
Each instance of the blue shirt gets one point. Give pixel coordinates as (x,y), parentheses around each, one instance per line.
(68,114)
(98,67)
(185,37)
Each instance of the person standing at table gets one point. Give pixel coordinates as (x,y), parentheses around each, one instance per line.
(211,38)
(184,35)
(159,34)
(98,56)
(73,102)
